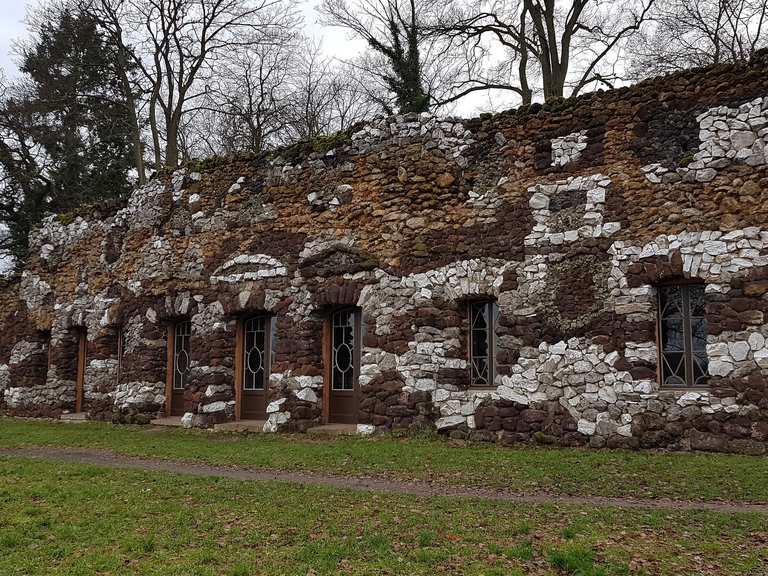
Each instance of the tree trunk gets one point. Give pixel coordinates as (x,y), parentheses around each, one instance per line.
(154,130)
(130,102)
(522,68)
(138,148)
(172,142)
(138,151)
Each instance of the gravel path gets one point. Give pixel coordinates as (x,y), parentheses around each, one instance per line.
(384,485)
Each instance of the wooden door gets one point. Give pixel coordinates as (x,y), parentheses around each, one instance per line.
(82,344)
(178,344)
(344,355)
(254,359)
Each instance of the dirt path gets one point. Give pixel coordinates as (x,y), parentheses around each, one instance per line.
(385,485)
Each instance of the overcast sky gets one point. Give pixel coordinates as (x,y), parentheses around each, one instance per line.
(11,27)
(14,11)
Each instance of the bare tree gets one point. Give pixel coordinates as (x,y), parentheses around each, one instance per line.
(314,99)
(273,95)
(568,46)
(110,15)
(181,43)
(685,33)
(403,48)
(250,96)
(488,29)
(352,102)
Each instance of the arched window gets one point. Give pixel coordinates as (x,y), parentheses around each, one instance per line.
(682,336)
(482,342)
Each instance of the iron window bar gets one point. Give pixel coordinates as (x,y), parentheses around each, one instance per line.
(343,350)
(482,328)
(255,352)
(683,336)
(181,354)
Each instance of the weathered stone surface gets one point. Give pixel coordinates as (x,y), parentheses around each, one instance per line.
(568,217)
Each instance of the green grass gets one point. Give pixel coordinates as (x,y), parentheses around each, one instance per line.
(522,468)
(65,519)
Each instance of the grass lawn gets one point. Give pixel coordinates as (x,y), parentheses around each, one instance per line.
(523,468)
(83,520)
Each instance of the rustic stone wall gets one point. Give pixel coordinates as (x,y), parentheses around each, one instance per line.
(568,215)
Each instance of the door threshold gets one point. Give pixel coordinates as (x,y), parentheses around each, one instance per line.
(333,430)
(241,426)
(74,417)
(174,421)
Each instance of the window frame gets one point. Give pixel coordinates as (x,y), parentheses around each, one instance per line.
(689,352)
(356,316)
(266,360)
(187,350)
(492,310)
(81,338)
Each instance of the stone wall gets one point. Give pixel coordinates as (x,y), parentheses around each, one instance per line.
(568,216)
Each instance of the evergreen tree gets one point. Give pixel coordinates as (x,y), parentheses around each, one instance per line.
(80,110)
(65,134)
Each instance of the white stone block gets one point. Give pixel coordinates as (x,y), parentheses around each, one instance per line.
(366,429)
(761,358)
(756,341)
(720,368)
(215,407)
(275,420)
(274,406)
(739,350)
(689,398)
(507,393)
(450,421)
(596,196)
(607,394)
(307,394)
(586,427)
(539,201)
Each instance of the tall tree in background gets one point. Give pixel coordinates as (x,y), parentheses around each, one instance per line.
(64,134)
(109,15)
(251,97)
(179,44)
(685,33)
(398,33)
(274,95)
(80,111)
(24,185)
(323,98)
(245,106)
(564,47)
